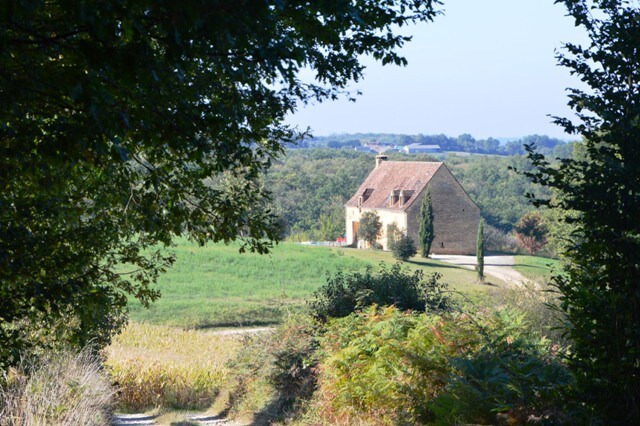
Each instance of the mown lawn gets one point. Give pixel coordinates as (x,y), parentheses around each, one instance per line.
(537,267)
(215,286)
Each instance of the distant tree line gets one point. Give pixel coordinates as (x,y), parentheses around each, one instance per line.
(463,143)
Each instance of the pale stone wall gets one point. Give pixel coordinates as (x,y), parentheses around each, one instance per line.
(455,216)
(352,215)
(387,217)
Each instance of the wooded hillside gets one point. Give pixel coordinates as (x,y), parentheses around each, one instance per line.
(309,187)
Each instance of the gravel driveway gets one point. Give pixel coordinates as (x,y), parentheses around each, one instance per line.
(500,267)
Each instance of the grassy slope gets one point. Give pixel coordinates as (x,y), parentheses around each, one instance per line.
(216,286)
(537,267)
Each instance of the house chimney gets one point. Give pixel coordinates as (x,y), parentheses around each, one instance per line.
(380,159)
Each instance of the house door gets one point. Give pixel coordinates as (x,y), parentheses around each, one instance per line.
(355,226)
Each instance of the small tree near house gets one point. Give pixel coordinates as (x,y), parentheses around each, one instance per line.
(401,245)
(370,227)
(404,248)
(393,233)
(531,231)
(425,232)
(480,252)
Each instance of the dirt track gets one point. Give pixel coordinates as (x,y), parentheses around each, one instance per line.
(186,419)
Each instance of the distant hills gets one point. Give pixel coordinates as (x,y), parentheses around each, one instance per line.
(463,143)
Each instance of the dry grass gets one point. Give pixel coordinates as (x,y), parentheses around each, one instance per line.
(63,389)
(161,366)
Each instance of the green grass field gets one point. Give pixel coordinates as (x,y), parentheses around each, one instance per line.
(537,267)
(215,286)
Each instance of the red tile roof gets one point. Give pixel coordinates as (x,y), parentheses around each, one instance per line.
(410,176)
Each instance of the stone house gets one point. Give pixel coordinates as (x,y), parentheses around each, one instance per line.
(395,189)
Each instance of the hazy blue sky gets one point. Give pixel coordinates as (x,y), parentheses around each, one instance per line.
(484,67)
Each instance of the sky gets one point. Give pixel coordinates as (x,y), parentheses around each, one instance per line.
(483,67)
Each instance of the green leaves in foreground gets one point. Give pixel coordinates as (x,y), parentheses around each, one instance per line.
(601,190)
(124,124)
(412,368)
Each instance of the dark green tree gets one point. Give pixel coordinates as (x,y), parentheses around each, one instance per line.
(126,123)
(369,227)
(404,248)
(425,231)
(401,245)
(600,292)
(480,251)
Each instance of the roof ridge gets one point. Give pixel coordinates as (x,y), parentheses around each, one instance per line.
(414,162)
(390,176)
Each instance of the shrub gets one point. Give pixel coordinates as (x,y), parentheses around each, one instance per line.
(404,248)
(376,246)
(401,245)
(62,389)
(383,365)
(393,232)
(531,231)
(514,384)
(299,237)
(386,366)
(498,241)
(540,305)
(44,332)
(515,379)
(346,292)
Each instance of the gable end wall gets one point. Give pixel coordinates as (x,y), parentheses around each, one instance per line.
(456,216)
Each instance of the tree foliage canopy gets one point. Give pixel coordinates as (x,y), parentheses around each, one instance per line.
(309,188)
(531,231)
(124,123)
(401,245)
(370,227)
(600,294)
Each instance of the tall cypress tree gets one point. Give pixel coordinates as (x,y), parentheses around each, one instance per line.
(480,251)
(425,232)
